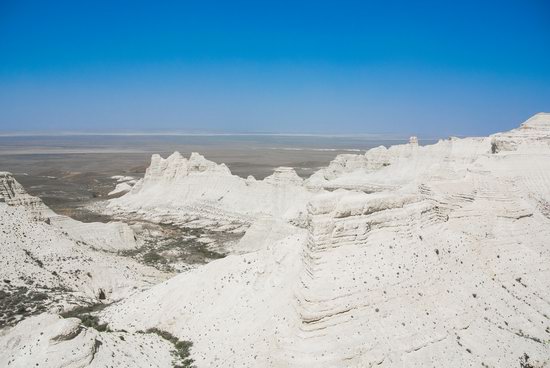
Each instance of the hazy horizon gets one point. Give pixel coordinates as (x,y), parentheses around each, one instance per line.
(387,135)
(152,133)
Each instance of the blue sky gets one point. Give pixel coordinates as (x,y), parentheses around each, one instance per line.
(432,68)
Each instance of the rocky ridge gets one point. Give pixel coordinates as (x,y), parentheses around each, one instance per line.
(49,254)
(405,256)
(196,192)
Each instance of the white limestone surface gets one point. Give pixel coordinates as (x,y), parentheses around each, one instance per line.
(416,256)
(121,188)
(408,256)
(58,252)
(51,341)
(197,192)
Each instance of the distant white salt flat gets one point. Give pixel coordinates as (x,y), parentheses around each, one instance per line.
(381,136)
(316,149)
(55,151)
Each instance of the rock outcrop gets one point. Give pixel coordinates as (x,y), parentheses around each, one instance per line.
(13,194)
(408,256)
(124,185)
(416,256)
(45,251)
(196,192)
(531,136)
(51,341)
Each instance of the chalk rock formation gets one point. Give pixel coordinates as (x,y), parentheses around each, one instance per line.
(51,341)
(384,168)
(13,194)
(124,184)
(198,192)
(418,256)
(114,236)
(45,250)
(120,188)
(531,136)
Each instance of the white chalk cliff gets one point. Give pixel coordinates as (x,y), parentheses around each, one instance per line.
(407,256)
(56,251)
(53,262)
(197,192)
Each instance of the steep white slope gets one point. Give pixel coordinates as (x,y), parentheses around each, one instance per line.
(196,192)
(43,250)
(234,310)
(13,194)
(113,236)
(531,136)
(420,256)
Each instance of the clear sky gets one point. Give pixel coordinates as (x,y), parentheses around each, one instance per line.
(432,68)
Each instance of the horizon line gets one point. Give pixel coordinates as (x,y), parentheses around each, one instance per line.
(64,133)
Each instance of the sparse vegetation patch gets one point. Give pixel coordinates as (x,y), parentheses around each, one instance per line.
(182,348)
(84,313)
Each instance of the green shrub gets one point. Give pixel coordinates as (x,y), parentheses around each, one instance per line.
(181,348)
(86,318)
(153,257)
